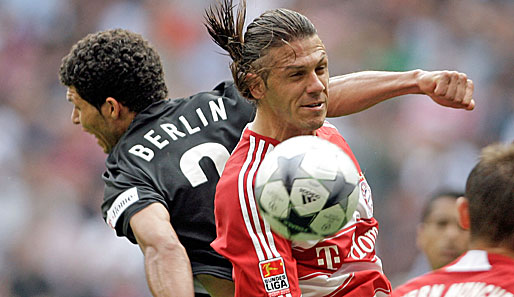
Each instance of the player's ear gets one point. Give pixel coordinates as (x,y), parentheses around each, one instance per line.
(111,108)
(463,210)
(256,85)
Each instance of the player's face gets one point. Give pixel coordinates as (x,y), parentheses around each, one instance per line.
(91,120)
(440,236)
(295,100)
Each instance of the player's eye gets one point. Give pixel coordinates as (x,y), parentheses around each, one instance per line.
(442,224)
(321,69)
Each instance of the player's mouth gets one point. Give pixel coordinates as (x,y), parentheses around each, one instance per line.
(450,253)
(315,105)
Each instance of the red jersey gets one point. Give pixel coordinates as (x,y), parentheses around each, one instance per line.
(266,264)
(476,273)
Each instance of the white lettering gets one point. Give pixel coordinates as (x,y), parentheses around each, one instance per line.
(218,110)
(120,204)
(155,139)
(202,117)
(423,291)
(427,291)
(486,290)
(476,289)
(453,290)
(497,292)
(468,288)
(172,131)
(189,129)
(355,251)
(142,152)
(189,162)
(364,244)
(437,291)
(372,233)
(328,256)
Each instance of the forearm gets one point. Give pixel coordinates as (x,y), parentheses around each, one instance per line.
(358,91)
(167,266)
(168,271)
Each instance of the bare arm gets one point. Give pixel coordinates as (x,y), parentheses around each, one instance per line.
(168,270)
(358,91)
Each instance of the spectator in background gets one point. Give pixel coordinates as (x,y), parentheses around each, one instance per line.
(440,237)
(487,269)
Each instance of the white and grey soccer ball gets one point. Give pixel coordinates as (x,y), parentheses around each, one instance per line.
(307,188)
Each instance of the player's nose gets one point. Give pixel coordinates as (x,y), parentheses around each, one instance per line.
(75,118)
(315,83)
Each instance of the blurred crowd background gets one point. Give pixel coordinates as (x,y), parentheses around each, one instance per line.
(53,241)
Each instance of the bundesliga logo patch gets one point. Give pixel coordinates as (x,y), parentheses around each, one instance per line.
(274,276)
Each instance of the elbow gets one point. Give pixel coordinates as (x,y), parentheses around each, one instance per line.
(164,247)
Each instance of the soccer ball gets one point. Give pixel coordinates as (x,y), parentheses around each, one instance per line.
(307,188)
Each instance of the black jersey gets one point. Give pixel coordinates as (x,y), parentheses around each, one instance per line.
(173,153)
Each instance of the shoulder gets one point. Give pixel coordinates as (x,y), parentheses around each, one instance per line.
(474,270)
(330,133)
(227,90)
(238,155)
(248,153)
(224,96)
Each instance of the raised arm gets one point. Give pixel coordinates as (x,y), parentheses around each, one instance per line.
(358,91)
(168,270)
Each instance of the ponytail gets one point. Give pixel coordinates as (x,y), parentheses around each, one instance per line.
(224,32)
(273,28)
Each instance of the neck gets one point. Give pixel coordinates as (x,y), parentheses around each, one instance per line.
(276,128)
(494,249)
(121,125)
(127,119)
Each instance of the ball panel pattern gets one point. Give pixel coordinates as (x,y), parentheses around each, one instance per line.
(307,188)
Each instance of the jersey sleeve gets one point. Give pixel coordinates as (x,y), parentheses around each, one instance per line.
(127,191)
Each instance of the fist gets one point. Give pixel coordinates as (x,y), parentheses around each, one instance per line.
(447,88)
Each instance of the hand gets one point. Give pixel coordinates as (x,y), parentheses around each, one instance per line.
(448,88)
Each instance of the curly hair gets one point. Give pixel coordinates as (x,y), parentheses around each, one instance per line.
(115,63)
(272,29)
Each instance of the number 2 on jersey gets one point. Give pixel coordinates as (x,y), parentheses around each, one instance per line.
(190,166)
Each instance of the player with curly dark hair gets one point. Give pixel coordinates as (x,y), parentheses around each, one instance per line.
(166,156)
(101,65)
